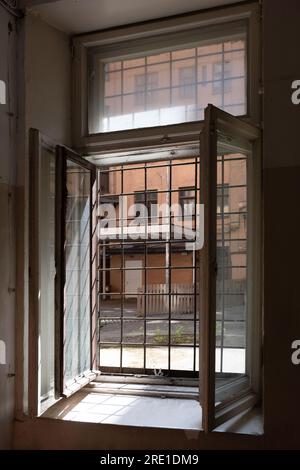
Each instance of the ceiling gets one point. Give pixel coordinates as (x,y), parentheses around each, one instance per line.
(79,16)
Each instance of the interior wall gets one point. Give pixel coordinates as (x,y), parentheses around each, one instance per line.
(47,80)
(281,222)
(8,113)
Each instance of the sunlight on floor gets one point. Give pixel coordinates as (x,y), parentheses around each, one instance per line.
(136,411)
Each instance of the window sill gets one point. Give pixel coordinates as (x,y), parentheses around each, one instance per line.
(153,411)
(128,410)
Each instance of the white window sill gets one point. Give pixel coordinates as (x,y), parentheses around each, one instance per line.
(111,407)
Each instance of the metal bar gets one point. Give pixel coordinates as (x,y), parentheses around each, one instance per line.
(122,275)
(145,275)
(175,162)
(195,271)
(169,176)
(174,87)
(210,54)
(222,267)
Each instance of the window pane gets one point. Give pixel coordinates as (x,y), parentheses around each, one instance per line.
(77,286)
(47,274)
(231,282)
(171,87)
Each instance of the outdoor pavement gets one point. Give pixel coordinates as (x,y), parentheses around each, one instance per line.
(157,334)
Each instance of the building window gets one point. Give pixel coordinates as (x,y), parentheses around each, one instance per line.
(221,78)
(149,200)
(223,197)
(144,86)
(187,201)
(187,82)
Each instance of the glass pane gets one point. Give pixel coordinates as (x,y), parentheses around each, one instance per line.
(47,275)
(77,287)
(183,358)
(157,332)
(170,87)
(109,356)
(231,283)
(146,291)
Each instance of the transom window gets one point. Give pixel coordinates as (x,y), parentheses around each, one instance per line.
(169,86)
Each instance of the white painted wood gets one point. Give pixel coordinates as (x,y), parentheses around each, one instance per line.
(181,299)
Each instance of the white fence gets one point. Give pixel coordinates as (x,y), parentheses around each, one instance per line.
(181,299)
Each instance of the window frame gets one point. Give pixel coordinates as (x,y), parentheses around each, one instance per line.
(211,20)
(205,374)
(245,392)
(64,154)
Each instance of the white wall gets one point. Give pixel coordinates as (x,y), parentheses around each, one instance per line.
(47,80)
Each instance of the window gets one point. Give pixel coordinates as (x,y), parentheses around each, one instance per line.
(187,82)
(167,88)
(187,201)
(144,84)
(149,200)
(221,77)
(222,197)
(158,92)
(149,290)
(106,100)
(226,289)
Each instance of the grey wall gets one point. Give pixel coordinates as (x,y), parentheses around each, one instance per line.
(281,203)
(7,225)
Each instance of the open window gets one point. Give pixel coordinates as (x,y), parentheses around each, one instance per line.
(116,305)
(229,275)
(61,316)
(75,275)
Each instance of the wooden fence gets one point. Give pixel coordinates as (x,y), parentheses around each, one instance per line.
(181,299)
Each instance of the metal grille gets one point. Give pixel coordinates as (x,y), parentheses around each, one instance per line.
(147,288)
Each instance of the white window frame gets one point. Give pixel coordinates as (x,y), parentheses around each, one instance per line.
(209,24)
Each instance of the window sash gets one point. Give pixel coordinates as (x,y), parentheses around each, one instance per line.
(68,385)
(236,136)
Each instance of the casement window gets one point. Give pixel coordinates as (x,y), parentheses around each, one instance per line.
(141,108)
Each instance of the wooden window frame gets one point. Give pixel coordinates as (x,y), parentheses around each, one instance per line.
(228,408)
(211,20)
(244,393)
